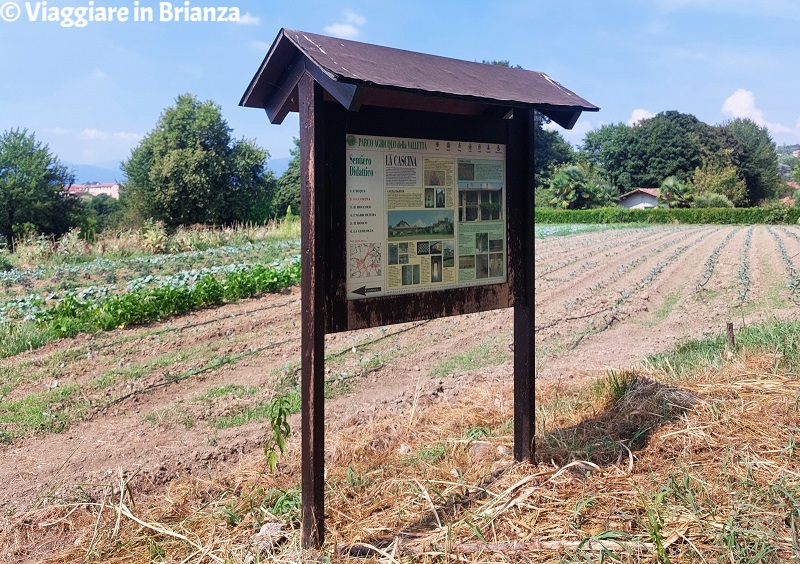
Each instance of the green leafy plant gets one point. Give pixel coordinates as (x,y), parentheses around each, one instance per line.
(284,504)
(72,315)
(580,186)
(280,410)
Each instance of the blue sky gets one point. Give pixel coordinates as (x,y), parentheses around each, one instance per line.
(92,93)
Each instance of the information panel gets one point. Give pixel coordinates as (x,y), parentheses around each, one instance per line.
(423,215)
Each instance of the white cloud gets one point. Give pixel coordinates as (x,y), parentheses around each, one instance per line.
(344,31)
(260,45)
(355,19)
(638,115)
(742,104)
(349,29)
(127,136)
(92,134)
(784,9)
(57,130)
(248,19)
(123,136)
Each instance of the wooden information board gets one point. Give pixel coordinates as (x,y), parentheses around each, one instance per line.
(417,177)
(423,215)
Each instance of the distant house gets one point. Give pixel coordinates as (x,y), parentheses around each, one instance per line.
(640,198)
(94,189)
(791,193)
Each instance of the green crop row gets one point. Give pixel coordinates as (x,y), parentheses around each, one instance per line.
(71,316)
(736,216)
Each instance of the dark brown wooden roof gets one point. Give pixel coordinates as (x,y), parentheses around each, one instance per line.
(359,74)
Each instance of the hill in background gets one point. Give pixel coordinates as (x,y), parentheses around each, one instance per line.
(111,173)
(85,174)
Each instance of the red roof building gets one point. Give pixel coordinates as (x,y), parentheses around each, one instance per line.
(94,190)
(640,198)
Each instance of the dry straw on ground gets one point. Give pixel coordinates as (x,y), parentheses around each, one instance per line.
(639,467)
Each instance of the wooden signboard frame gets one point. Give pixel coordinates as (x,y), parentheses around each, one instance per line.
(325,307)
(343,88)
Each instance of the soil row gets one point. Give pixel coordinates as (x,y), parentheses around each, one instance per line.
(615,307)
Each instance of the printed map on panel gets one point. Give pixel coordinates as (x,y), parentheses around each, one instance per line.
(365,260)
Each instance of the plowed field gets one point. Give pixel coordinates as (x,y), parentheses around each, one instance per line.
(607,299)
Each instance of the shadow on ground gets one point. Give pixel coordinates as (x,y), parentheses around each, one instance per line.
(638,406)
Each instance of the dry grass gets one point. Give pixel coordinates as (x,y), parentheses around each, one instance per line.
(639,467)
(151,238)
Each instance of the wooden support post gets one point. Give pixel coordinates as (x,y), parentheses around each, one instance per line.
(731,343)
(312,194)
(524,389)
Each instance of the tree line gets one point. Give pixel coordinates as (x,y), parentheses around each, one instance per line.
(693,163)
(188,170)
(191,170)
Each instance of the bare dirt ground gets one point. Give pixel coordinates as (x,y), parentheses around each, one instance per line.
(603,300)
(153,421)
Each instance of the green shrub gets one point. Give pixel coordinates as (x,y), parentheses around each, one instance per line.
(712,200)
(740,216)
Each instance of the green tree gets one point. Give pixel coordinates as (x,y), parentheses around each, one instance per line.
(759,163)
(287,192)
(550,150)
(605,193)
(569,189)
(189,169)
(99,213)
(573,187)
(675,193)
(717,177)
(32,182)
(663,146)
(506,64)
(643,155)
(607,149)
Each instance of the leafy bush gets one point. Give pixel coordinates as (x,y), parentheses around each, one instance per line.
(712,200)
(739,216)
(675,194)
(778,213)
(154,236)
(5,262)
(573,187)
